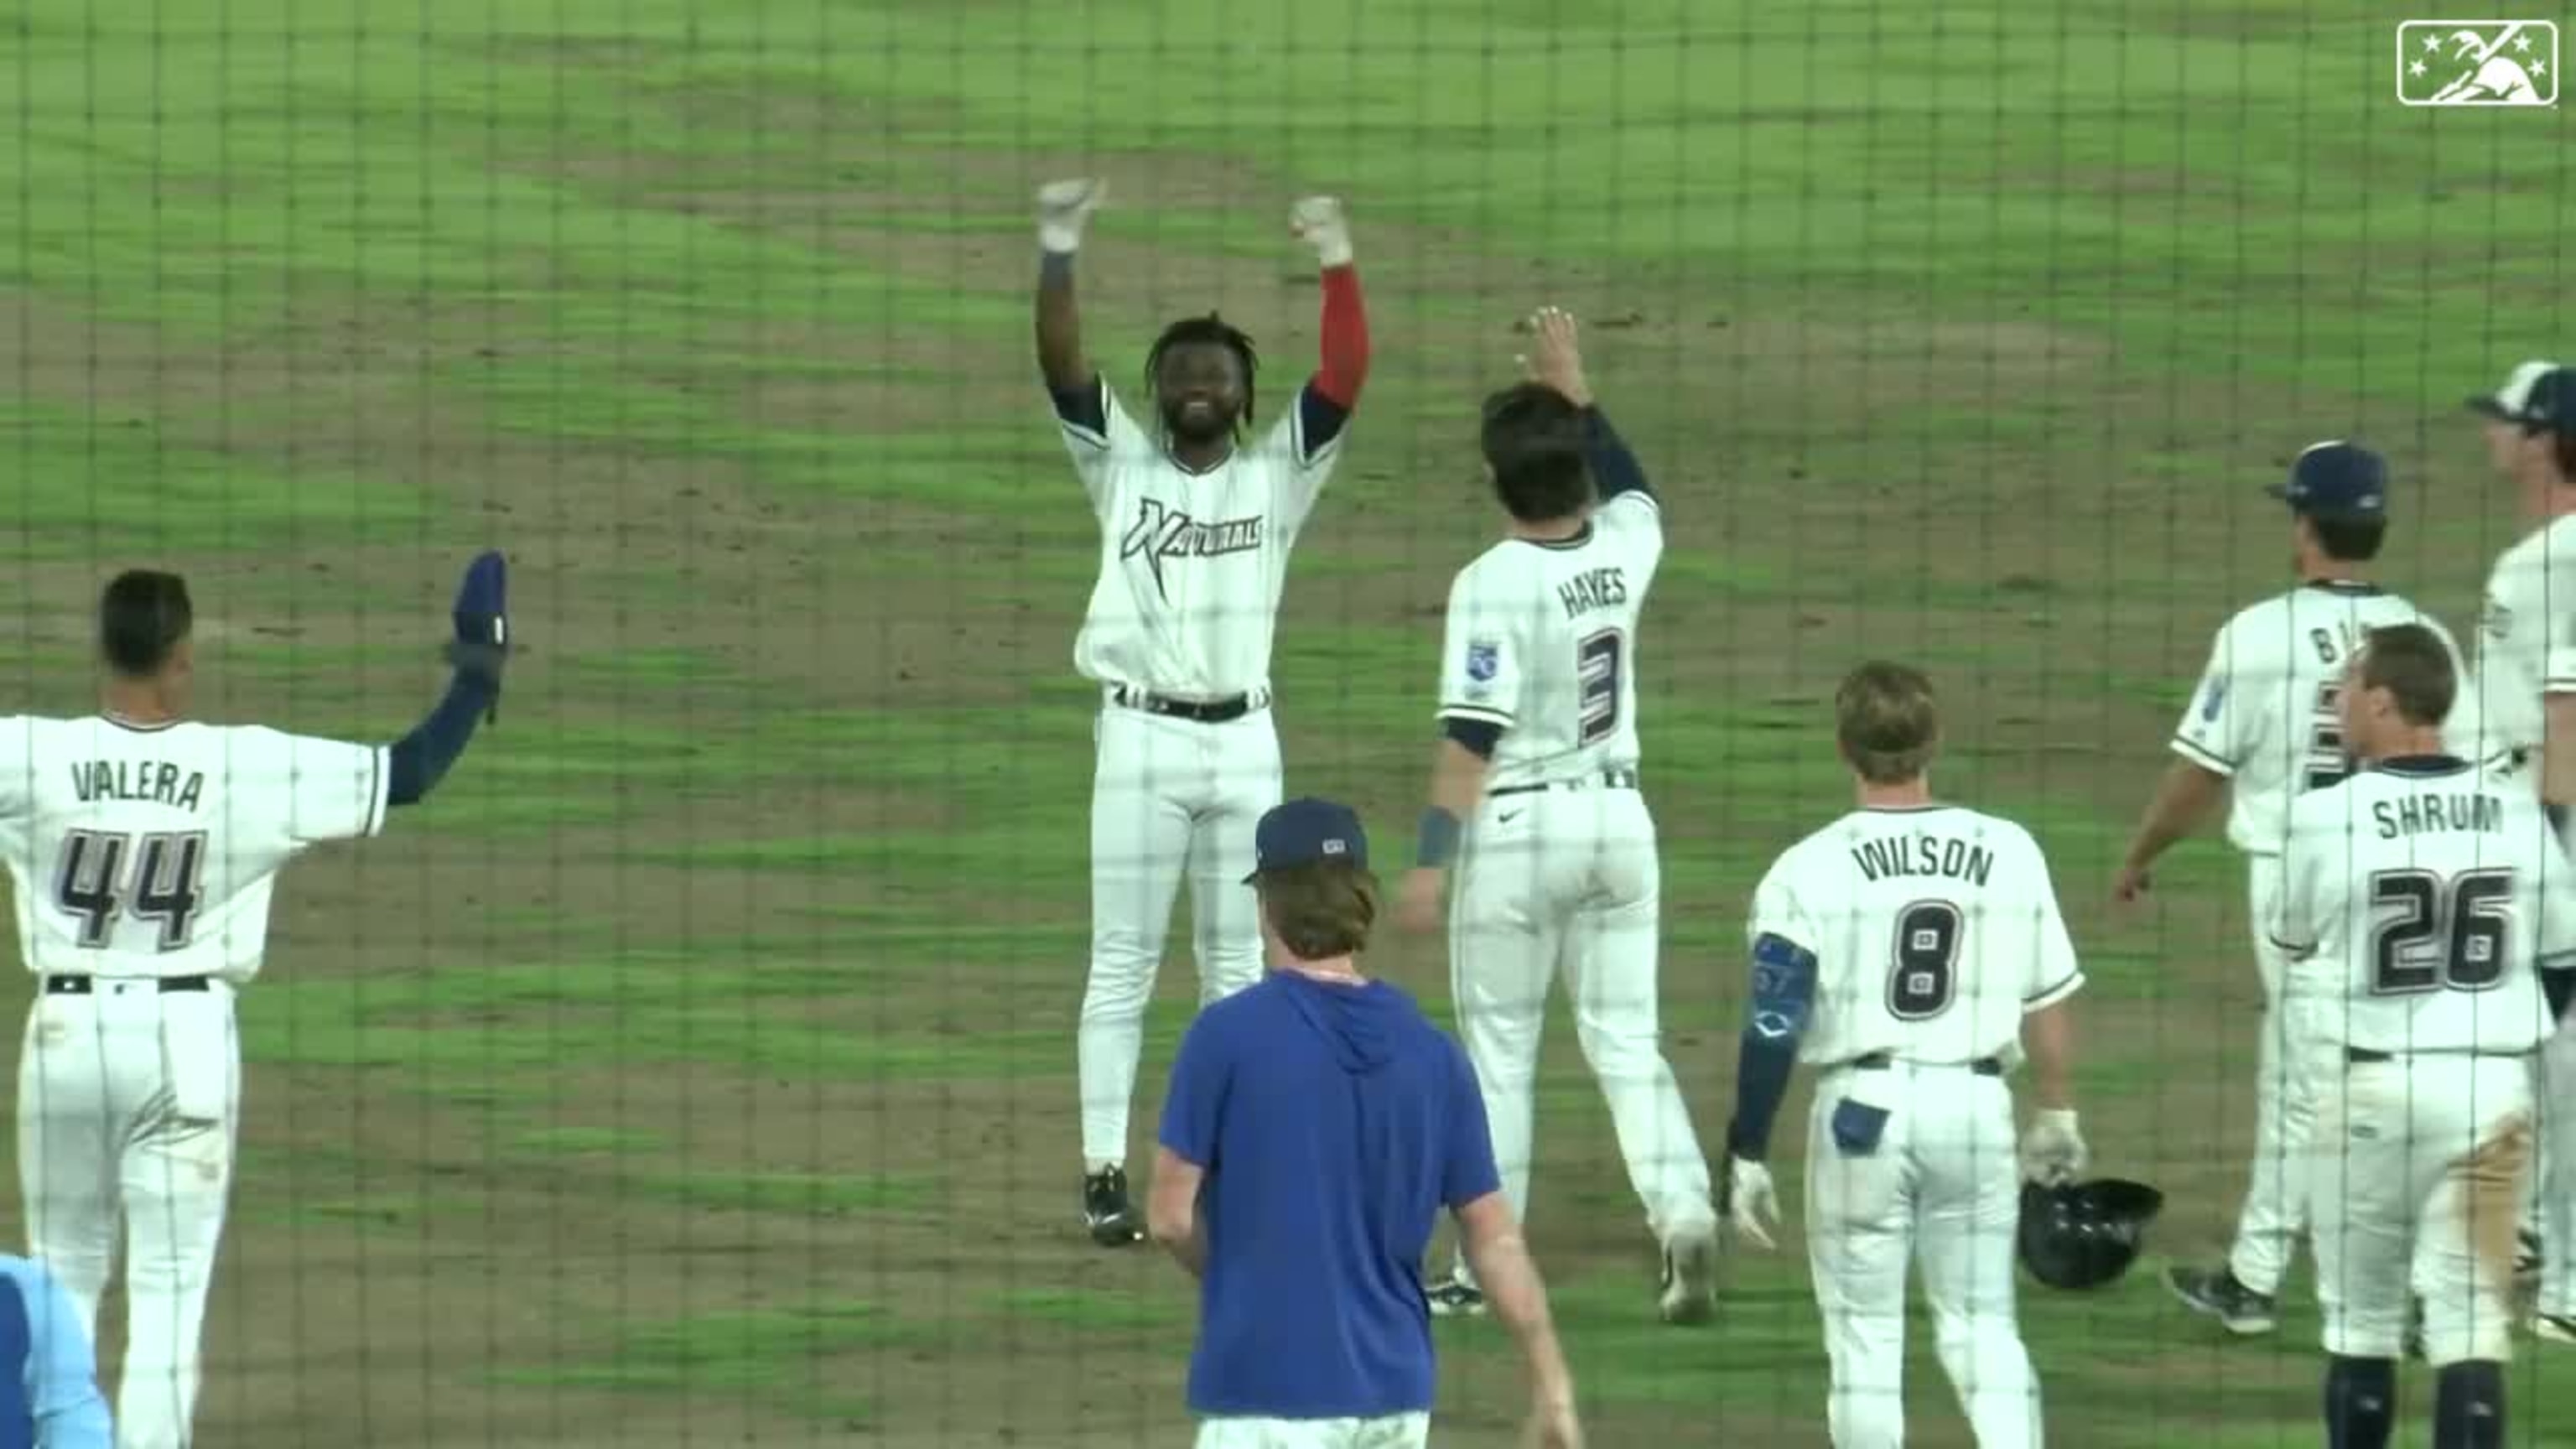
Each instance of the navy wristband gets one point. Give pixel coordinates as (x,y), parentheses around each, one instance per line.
(1438,843)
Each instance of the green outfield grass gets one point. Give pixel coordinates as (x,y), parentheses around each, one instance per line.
(699,1061)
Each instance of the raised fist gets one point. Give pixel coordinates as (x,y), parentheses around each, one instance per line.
(1320,222)
(1064,207)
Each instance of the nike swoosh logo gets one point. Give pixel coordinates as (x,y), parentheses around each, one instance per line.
(1507,818)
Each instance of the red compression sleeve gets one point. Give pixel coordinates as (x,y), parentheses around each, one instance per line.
(1345,345)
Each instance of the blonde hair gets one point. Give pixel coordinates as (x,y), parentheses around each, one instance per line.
(1887,722)
(1319,911)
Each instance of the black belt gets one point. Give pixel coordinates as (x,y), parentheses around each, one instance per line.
(1213,711)
(2368,1057)
(84,985)
(1607,780)
(1881,1061)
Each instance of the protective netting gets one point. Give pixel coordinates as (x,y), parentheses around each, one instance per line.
(696,1060)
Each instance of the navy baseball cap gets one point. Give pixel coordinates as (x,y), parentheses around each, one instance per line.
(2539,395)
(2336,479)
(1302,832)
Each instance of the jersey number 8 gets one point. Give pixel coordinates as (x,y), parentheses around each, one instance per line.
(2437,935)
(1598,663)
(1926,971)
(164,888)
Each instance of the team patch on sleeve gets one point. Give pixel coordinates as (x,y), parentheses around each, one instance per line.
(1484,661)
(2212,700)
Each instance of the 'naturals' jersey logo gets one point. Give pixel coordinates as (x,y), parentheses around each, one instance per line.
(1160,533)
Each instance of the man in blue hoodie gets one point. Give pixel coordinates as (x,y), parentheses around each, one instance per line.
(1322,1123)
(49,1396)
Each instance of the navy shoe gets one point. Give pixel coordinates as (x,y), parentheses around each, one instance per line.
(2215,1292)
(1106,1210)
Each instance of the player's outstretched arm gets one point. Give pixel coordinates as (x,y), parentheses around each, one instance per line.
(2183,799)
(419,760)
(1064,209)
(1556,359)
(1325,404)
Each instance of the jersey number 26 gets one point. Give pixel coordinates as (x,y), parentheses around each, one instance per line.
(2439,935)
(163,888)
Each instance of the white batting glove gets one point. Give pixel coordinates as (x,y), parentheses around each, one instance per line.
(1750,1200)
(1320,222)
(1064,207)
(2052,1149)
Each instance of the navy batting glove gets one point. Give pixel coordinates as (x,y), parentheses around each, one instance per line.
(482,643)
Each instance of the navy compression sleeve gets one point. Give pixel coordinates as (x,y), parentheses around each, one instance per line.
(420,758)
(1615,470)
(1784,991)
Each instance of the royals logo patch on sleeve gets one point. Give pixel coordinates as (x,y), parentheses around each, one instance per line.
(2212,700)
(1484,661)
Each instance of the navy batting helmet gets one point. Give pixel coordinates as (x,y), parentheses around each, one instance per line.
(2085,1234)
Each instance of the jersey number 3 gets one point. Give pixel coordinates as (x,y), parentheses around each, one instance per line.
(163,888)
(1599,662)
(1925,974)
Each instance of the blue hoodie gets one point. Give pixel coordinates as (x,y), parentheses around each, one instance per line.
(1334,1123)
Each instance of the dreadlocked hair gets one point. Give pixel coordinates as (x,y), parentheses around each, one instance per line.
(1210,328)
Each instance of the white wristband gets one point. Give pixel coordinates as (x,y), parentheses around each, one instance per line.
(1334,251)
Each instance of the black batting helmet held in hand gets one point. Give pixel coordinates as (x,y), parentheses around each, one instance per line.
(2085,1234)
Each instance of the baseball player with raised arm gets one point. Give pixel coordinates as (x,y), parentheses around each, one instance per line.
(1534,796)
(143,848)
(1905,951)
(2434,892)
(2525,703)
(2262,728)
(1196,525)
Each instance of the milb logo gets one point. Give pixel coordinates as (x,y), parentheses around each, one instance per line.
(2477,63)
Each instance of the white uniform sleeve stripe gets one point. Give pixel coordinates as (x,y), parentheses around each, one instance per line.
(2055,994)
(1475,711)
(1081,434)
(378,787)
(2201,757)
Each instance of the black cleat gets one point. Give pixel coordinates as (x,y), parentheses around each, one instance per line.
(2215,1292)
(1455,1298)
(1106,1211)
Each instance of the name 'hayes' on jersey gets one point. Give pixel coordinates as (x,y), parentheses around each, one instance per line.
(2264,714)
(152,851)
(1542,639)
(1935,930)
(2431,890)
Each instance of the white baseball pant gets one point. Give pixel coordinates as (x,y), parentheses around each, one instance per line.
(2421,1161)
(1393,1431)
(2268,1227)
(1168,797)
(128,1106)
(1943,1180)
(2557,1174)
(1569,878)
